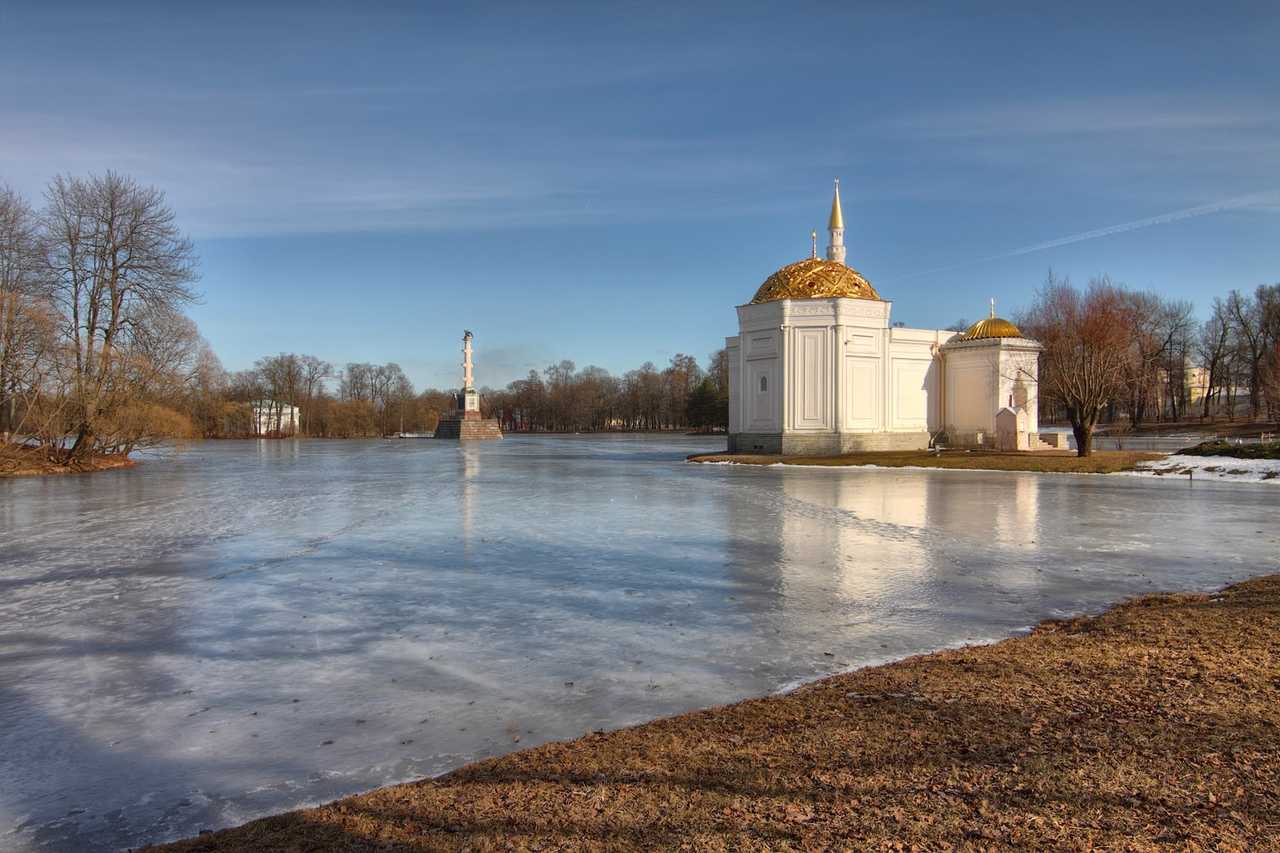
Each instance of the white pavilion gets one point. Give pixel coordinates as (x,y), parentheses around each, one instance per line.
(818,368)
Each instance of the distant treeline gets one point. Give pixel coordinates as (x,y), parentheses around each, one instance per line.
(97,356)
(367,400)
(1138,357)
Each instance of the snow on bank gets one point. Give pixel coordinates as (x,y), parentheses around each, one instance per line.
(1213,467)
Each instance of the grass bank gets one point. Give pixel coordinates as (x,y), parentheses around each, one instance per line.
(1053,461)
(1212,427)
(18,461)
(1268,450)
(1155,726)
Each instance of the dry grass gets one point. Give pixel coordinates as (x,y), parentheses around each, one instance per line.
(18,461)
(1219,447)
(1049,461)
(1155,726)
(1211,427)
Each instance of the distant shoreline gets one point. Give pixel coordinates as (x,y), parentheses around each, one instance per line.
(34,462)
(1044,461)
(678,432)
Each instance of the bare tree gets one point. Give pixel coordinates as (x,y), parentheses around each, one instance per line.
(1267,299)
(115,257)
(1086,350)
(356,382)
(313,373)
(680,378)
(1247,326)
(207,395)
(282,376)
(21,283)
(1213,349)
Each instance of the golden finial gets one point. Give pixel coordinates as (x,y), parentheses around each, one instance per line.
(813,238)
(993,308)
(837,215)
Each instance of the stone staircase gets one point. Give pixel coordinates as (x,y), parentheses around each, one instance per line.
(1060,442)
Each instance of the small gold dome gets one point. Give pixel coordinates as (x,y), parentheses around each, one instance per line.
(814,278)
(992,327)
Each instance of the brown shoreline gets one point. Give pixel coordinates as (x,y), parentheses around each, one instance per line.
(1042,461)
(34,463)
(1154,726)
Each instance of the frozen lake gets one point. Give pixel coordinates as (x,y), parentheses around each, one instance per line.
(249,627)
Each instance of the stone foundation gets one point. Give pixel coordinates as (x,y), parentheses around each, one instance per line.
(968,438)
(988,441)
(826,443)
(462,428)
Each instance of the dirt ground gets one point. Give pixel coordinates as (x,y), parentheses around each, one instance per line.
(1155,726)
(1053,461)
(35,462)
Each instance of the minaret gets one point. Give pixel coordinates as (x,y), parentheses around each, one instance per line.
(835,252)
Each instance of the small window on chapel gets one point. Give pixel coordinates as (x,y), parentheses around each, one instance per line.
(764,384)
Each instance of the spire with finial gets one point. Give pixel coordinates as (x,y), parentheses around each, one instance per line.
(835,225)
(813,238)
(993,308)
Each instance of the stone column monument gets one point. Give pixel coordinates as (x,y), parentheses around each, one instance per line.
(465,424)
(470,405)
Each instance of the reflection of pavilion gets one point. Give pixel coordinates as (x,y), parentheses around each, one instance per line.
(862,537)
(1016,511)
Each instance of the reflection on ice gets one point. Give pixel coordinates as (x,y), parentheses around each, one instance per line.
(252,626)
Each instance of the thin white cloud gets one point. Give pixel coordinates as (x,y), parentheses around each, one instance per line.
(1265,201)
(1081,116)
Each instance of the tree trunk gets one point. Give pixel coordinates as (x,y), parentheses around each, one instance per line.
(83,445)
(1082,428)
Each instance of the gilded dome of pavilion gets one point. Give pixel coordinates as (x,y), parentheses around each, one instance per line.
(992,327)
(815,278)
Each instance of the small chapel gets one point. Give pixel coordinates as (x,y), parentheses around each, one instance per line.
(818,368)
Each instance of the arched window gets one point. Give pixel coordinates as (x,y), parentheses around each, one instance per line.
(764,384)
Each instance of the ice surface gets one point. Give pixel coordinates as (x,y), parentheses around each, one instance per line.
(250,627)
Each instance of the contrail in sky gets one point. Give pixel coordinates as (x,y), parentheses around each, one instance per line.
(1236,203)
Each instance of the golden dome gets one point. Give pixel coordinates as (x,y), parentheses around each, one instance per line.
(814,278)
(992,327)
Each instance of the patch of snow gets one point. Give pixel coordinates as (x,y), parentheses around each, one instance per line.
(1213,467)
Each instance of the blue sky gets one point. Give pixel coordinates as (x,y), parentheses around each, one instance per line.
(604,182)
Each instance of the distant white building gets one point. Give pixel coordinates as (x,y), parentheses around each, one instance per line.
(271,417)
